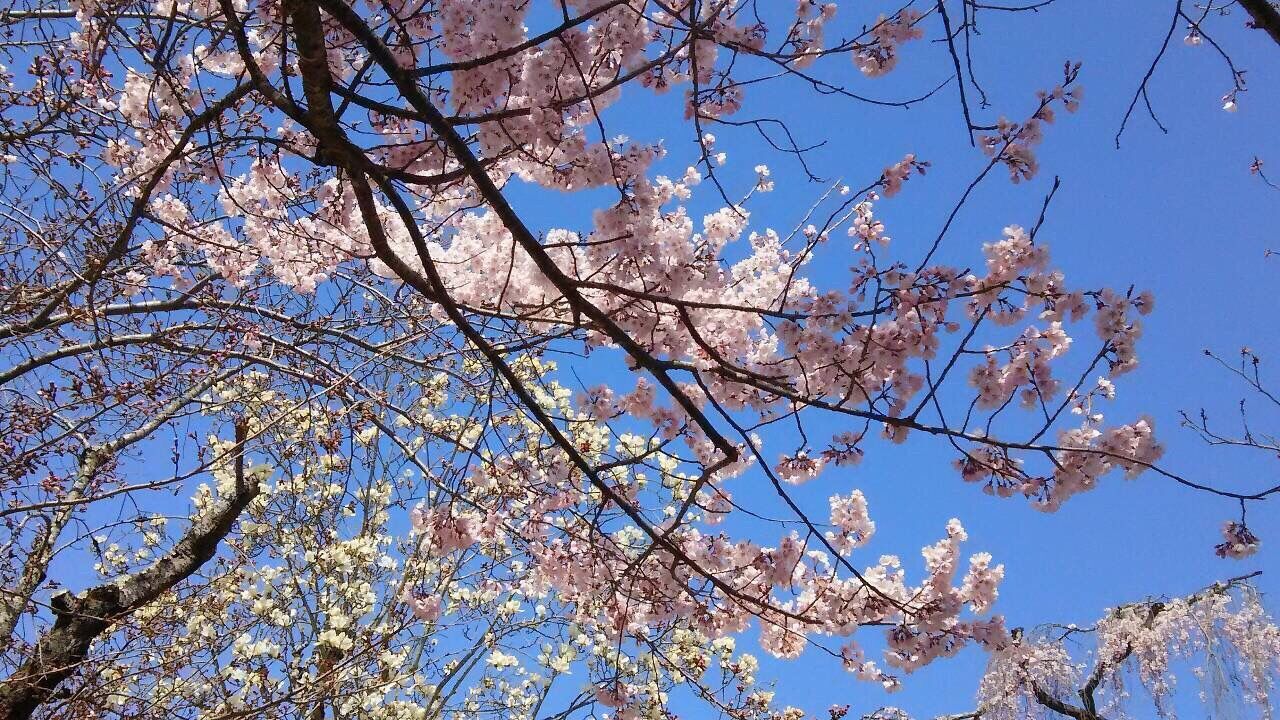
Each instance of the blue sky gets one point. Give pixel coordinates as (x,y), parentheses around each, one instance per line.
(1175,213)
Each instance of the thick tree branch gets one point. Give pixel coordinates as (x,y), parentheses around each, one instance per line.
(82,618)
(1265,16)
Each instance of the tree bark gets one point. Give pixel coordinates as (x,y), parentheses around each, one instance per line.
(1265,16)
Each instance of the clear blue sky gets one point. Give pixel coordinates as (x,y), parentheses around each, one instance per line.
(1178,214)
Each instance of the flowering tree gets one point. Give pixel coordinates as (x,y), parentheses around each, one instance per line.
(269,257)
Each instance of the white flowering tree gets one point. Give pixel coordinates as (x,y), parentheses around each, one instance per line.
(293,424)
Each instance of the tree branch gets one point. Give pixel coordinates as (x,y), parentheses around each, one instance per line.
(1265,16)
(82,618)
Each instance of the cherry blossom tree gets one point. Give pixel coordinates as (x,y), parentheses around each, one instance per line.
(287,365)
